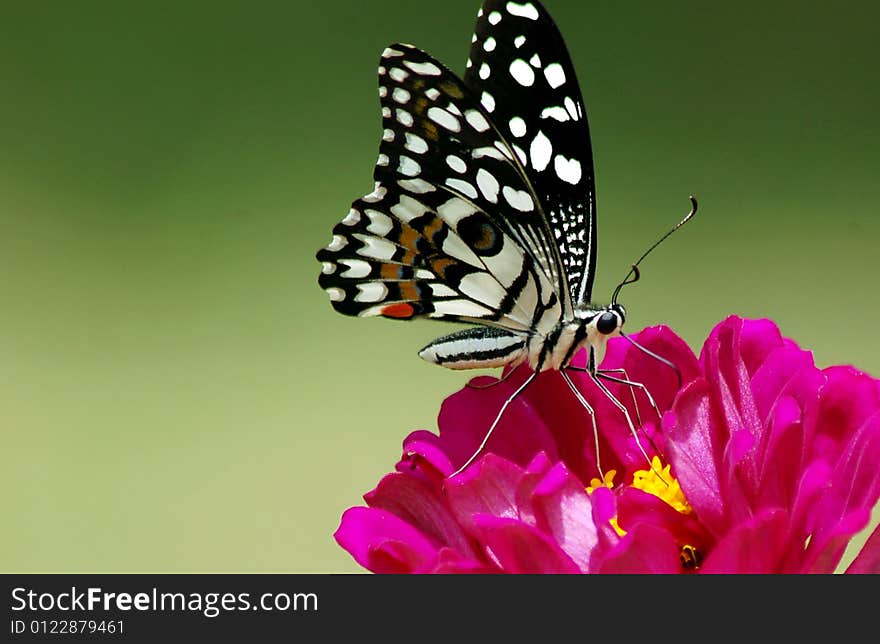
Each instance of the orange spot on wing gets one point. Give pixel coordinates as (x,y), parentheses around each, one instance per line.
(399,310)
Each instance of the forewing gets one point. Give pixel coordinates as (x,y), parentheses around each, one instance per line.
(520,68)
(453,229)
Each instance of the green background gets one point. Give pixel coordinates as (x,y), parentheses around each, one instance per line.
(177,393)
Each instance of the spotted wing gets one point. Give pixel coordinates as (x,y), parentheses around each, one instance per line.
(521,70)
(449,231)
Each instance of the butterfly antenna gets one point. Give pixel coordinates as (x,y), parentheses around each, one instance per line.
(633,275)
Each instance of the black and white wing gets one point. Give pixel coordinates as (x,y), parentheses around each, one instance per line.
(453,229)
(521,70)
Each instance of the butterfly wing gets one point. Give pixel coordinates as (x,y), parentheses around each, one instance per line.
(453,230)
(520,68)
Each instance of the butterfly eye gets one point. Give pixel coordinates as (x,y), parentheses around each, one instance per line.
(606,323)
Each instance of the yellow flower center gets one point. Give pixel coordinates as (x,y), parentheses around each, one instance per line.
(658,480)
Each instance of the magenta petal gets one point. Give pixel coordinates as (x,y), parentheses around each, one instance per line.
(868,559)
(519,548)
(423,451)
(644,549)
(563,510)
(466,416)
(384,543)
(826,552)
(488,487)
(420,505)
(757,339)
(785,370)
(695,439)
(754,546)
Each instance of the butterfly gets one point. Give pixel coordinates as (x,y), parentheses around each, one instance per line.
(484,208)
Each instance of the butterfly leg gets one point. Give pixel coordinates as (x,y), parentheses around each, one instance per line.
(586,405)
(495,422)
(597,379)
(633,385)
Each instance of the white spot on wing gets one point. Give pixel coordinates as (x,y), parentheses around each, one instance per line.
(371,292)
(522,73)
(328,268)
(517,126)
(403,117)
(488,185)
(391,53)
(554,74)
(380,223)
(488,101)
(408,208)
(400,95)
(415,143)
(484,71)
(441,290)
(444,118)
(375,247)
(568,170)
(572,109)
(456,163)
(356,268)
(555,112)
(377,195)
(495,17)
(432,93)
(336,294)
(489,44)
(425,69)
(519,41)
(463,187)
(419,186)
(398,74)
(519,199)
(387,135)
(337,243)
(520,153)
(408,166)
(455,210)
(535,61)
(351,219)
(382,160)
(525,10)
(477,120)
(486,151)
(540,151)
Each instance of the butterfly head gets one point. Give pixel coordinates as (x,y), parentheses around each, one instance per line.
(611,320)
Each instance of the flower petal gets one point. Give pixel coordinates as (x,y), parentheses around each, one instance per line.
(868,559)
(646,548)
(421,505)
(754,546)
(563,511)
(695,435)
(384,543)
(520,548)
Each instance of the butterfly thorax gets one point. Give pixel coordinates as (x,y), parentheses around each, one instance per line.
(589,328)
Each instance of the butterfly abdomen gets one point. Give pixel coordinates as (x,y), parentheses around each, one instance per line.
(477,348)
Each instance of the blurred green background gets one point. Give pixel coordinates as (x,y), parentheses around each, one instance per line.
(177,394)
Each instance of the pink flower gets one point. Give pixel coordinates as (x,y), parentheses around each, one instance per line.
(771,466)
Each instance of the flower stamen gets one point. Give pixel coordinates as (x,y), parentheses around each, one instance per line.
(658,480)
